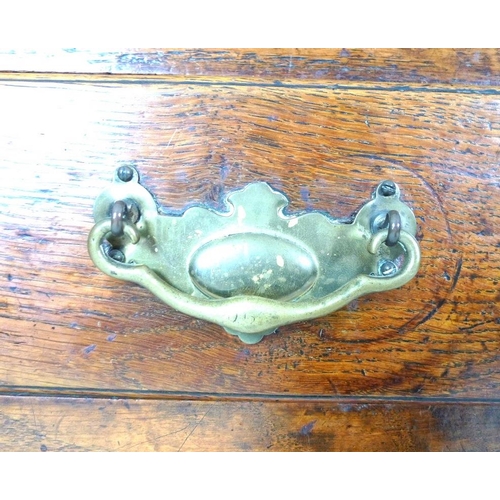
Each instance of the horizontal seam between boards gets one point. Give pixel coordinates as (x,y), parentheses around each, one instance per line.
(99,394)
(94,79)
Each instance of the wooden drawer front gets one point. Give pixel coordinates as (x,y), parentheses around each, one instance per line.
(324,140)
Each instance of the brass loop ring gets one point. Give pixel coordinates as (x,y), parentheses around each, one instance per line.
(393,223)
(118,214)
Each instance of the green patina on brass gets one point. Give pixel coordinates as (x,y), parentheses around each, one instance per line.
(253,267)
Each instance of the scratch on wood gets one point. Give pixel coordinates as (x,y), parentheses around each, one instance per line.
(56,430)
(128,447)
(194,428)
(171,137)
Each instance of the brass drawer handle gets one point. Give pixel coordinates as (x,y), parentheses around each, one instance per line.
(253,268)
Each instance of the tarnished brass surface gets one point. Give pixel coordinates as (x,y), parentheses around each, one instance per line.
(253,267)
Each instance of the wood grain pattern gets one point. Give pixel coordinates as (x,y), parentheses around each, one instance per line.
(65,324)
(318,66)
(197,124)
(65,424)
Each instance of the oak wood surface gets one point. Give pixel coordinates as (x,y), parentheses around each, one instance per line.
(65,328)
(68,424)
(327,150)
(317,66)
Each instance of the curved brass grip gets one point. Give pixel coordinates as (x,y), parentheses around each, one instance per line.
(253,268)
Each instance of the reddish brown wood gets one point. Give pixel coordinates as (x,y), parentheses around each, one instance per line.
(65,324)
(324,66)
(65,424)
(65,328)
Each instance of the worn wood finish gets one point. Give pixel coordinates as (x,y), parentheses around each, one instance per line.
(65,328)
(317,66)
(327,150)
(65,424)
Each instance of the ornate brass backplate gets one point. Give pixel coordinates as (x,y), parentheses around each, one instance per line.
(253,267)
